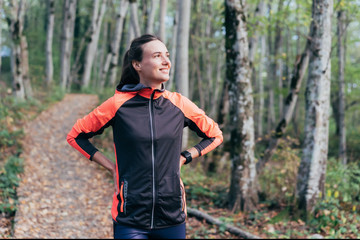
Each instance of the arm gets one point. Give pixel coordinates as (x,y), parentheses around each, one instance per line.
(92,124)
(204,127)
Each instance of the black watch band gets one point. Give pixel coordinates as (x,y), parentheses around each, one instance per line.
(187,155)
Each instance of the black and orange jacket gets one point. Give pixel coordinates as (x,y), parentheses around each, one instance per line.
(147,128)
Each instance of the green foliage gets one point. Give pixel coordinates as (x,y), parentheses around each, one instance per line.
(278,179)
(343,181)
(337,214)
(212,191)
(331,218)
(9,180)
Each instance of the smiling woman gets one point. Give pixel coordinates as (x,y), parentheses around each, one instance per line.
(148,123)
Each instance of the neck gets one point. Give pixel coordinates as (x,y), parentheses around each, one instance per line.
(152,85)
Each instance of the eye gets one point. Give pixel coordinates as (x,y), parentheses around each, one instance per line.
(157,55)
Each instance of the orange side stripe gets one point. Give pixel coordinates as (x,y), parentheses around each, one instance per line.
(122,197)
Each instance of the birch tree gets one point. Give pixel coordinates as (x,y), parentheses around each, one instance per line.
(182,53)
(25,64)
(162,30)
(312,169)
(243,186)
(1,6)
(341,32)
(69,11)
(15,19)
(151,17)
(97,17)
(170,84)
(300,67)
(135,26)
(49,40)
(112,57)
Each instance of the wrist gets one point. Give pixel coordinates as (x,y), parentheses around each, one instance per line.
(187,156)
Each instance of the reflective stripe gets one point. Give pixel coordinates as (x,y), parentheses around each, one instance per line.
(122,197)
(152,159)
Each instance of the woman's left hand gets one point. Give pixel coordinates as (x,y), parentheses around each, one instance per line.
(182,161)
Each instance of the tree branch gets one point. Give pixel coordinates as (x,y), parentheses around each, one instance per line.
(234,230)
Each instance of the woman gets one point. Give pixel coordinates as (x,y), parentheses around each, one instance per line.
(147,123)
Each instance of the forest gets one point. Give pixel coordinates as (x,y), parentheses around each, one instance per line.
(280,77)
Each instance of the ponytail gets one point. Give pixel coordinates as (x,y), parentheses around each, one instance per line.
(135,53)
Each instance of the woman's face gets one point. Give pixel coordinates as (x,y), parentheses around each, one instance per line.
(155,65)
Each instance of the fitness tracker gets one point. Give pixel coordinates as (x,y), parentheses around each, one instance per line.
(187,155)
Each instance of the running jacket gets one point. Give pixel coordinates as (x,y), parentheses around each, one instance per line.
(147,128)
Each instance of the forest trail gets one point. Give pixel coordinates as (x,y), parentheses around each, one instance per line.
(61,194)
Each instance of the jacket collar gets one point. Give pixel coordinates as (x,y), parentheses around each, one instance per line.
(142,90)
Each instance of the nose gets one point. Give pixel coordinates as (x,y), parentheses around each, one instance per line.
(166,61)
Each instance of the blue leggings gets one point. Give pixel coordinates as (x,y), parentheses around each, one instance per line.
(126,232)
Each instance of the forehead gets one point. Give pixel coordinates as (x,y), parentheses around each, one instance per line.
(154,46)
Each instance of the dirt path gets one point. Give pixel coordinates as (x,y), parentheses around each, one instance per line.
(62,194)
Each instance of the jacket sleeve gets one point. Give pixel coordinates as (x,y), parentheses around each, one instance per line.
(205,127)
(92,124)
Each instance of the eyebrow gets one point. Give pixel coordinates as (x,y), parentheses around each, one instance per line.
(160,52)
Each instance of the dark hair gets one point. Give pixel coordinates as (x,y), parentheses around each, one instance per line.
(129,75)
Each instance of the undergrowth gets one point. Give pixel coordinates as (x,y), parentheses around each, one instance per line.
(13,114)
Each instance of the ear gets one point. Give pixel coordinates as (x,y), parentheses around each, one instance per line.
(136,65)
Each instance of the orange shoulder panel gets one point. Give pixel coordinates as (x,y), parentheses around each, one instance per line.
(198,116)
(97,119)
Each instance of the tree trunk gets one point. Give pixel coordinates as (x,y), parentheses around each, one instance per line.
(277,70)
(151,16)
(270,82)
(162,27)
(253,43)
(341,28)
(135,26)
(170,84)
(299,71)
(25,66)
(111,62)
(243,188)
(182,54)
(311,174)
(49,40)
(234,230)
(1,7)
(93,41)
(262,65)
(16,25)
(69,11)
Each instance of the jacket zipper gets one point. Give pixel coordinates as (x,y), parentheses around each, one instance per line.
(152,157)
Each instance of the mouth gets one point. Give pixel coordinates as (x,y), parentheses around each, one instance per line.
(164,70)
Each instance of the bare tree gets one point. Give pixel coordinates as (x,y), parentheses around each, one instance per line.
(182,53)
(170,83)
(15,19)
(162,30)
(311,174)
(69,11)
(253,42)
(300,67)
(112,57)
(49,40)
(1,6)
(135,26)
(96,21)
(341,32)
(151,17)
(25,65)
(243,186)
